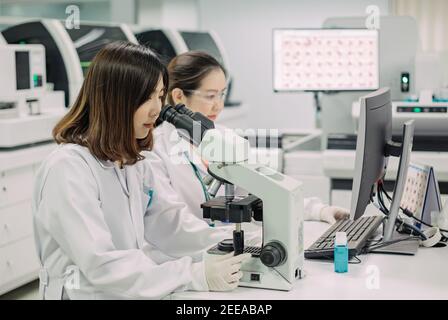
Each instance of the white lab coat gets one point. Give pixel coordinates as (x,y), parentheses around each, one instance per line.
(176,174)
(93,217)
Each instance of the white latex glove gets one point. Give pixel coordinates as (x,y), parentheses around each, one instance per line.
(223,272)
(331,214)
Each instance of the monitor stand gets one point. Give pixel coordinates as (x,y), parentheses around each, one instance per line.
(405,247)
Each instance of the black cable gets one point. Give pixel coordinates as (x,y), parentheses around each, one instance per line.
(380,205)
(409,213)
(374,240)
(386,243)
(357,262)
(398,221)
(385,192)
(330,258)
(381,200)
(413,228)
(371,196)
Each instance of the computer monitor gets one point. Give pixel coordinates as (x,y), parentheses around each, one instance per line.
(374,132)
(403,165)
(372,152)
(325,59)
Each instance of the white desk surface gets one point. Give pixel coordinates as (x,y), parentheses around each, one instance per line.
(423,276)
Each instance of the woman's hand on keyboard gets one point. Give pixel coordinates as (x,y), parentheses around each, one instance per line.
(332,214)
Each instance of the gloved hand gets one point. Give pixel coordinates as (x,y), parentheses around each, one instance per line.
(331,214)
(223,272)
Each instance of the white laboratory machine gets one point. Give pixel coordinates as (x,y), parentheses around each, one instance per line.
(68,51)
(431,119)
(28,113)
(28,110)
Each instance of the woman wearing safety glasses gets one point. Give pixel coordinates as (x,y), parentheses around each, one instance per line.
(199,81)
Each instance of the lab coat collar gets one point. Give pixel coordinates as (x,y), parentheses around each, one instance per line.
(83,151)
(111,165)
(106,164)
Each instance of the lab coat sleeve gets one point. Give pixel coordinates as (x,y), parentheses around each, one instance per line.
(312,208)
(169,225)
(69,210)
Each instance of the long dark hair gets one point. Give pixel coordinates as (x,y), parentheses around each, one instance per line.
(121,77)
(187,70)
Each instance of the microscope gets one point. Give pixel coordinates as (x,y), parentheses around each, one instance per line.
(274,199)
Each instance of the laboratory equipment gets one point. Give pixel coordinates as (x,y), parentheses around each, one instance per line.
(274,198)
(68,51)
(405,81)
(430,117)
(325,59)
(28,113)
(28,110)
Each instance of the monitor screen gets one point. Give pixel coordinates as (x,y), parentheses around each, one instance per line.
(22,70)
(202,41)
(325,59)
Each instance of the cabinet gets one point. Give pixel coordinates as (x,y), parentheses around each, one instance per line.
(19,263)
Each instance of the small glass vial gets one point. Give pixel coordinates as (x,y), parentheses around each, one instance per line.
(340,253)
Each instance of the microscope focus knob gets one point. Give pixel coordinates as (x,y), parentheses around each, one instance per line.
(273,254)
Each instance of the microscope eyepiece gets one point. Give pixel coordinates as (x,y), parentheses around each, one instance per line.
(192,125)
(166,114)
(197,116)
(181,108)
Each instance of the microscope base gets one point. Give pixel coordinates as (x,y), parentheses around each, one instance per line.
(257,275)
(263,277)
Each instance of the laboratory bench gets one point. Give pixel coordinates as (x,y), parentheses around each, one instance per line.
(378,276)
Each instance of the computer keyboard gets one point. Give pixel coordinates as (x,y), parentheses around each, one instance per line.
(358,232)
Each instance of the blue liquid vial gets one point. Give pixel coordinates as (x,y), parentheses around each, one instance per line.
(340,253)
